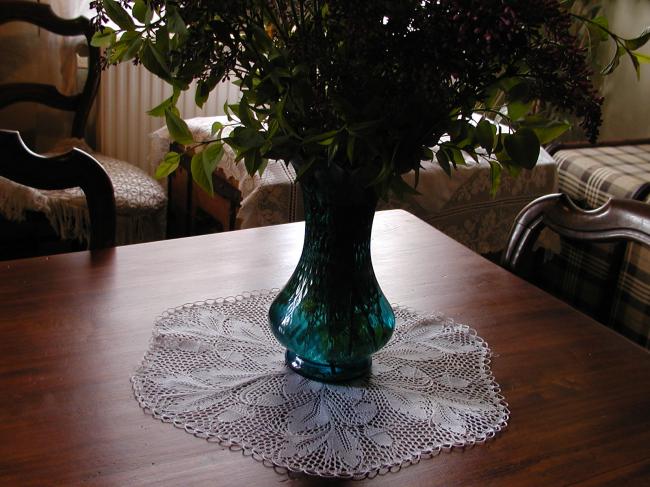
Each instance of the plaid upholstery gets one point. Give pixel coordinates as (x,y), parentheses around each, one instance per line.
(595,174)
(591,176)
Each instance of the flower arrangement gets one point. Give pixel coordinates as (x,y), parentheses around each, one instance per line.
(368,88)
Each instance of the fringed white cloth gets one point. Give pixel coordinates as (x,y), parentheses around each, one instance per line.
(215,370)
(141,202)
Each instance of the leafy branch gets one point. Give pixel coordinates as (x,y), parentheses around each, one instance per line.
(368,88)
(624,47)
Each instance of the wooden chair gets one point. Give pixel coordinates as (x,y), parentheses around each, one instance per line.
(43,16)
(618,221)
(140,202)
(71,170)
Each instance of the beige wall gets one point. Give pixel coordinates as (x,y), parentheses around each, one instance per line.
(627,101)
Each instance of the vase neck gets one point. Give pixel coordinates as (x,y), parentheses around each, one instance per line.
(341,221)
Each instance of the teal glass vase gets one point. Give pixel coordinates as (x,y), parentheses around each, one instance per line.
(332,315)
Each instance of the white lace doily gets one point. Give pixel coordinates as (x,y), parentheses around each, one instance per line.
(214,369)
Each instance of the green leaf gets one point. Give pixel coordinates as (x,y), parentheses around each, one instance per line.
(261,40)
(216,127)
(175,22)
(615,61)
(518,109)
(349,150)
(234,109)
(546,130)
(635,63)
(513,170)
(462,133)
(126,48)
(245,115)
(603,23)
(363,128)
(116,53)
(139,10)
(453,154)
(329,141)
(168,165)
(523,147)
(642,58)
(332,149)
(150,58)
(133,50)
(160,57)
(103,38)
(304,167)
(214,151)
(162,39)
(178,129)
(179,84)
(401,187)
(249,161)
(495,177)
(201,94)
(471,151)
(247,138)
(325,138)
(262,166)
(519,92)
(198,174)
(427,154)
(118,15)
(640,41)
(159,111)
(212,156)
(443,161)
(485,133)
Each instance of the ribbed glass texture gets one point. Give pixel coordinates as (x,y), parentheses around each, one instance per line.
(332,315)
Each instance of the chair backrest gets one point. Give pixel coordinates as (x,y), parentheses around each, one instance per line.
(585,269)
(43,16)
(73,169)
(617,220)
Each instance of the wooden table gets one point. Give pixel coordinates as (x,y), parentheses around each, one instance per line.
(74,328)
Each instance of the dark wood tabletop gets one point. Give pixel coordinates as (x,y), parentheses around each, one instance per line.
(74,327)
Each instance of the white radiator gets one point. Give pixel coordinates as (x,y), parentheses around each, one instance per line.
(126,93)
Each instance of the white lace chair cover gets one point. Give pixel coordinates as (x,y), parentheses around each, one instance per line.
(141,202)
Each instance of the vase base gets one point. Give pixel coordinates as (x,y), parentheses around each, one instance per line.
(327,372)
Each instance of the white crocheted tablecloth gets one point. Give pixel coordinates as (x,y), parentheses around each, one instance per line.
(214,369)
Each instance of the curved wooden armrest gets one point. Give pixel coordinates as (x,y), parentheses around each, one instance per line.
(73,169)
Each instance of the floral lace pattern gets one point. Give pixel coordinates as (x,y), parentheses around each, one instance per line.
(214,369)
